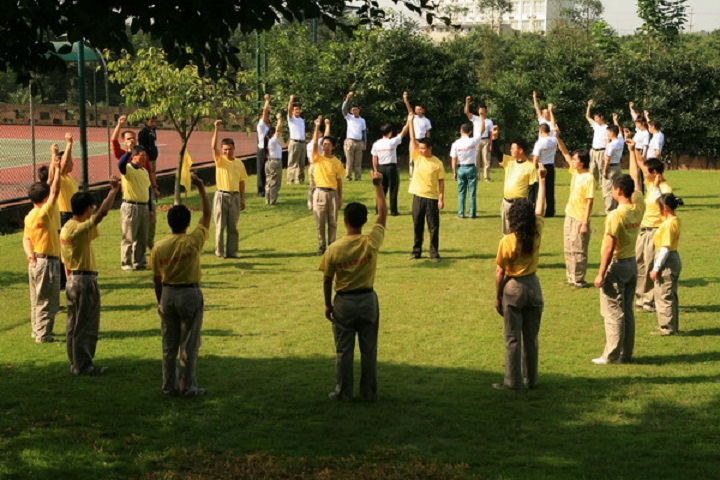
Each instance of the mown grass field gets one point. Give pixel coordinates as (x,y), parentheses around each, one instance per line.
(267,360)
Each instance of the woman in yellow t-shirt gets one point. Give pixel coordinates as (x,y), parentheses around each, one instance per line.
(519,296)
(667,267)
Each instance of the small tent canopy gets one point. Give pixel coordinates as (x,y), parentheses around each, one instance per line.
(70,52)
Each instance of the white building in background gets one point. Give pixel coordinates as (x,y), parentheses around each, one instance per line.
(525,15)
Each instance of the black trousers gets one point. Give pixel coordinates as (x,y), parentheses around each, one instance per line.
(549,191)
(426,209)
(390,181)
(261,171)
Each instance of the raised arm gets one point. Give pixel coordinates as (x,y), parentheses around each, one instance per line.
(55,165)
(290,105)
(616,121)
(411,130)
(266,110)
(345,108)
(536,104)
(647,115)
(561,145)
(467,111)
(205,219)
(107,204)
(588,115)
(407,103)
(634,167)
(327,128)
(633,112)
(379,198)
(553,124)
(278,126)
(404,130)
(118,126)
(214,141)
(316,135)
(540,201)
(54,153)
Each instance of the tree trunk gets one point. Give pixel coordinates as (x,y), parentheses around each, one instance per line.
(178,171)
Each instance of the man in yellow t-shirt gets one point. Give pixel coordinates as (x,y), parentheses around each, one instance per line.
(230,175)
(519,175)
(577,214)
(83,294)
(617,277)
(68,187)
(135,209)
(645,247)
(327,176)
(41,242)
(351,262)
(428,189)
(175,262)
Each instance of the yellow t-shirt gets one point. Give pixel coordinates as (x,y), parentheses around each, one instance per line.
(668,234)
(42,227)
(653,215)
(136,184)
(176,258)
(68,188)
(510,258)
(352,260)
(427,173)
(623,224)
(229,174)
(582,188)
(518,177)
(76,250)
(327,171)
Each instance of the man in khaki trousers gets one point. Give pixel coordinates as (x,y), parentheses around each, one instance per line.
(356,139)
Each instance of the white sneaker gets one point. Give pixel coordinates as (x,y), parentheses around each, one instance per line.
(600,361)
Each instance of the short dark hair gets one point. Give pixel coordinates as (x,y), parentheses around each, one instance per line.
(354,105)
(544,128)
(671,201)
(584,157)
(178,218)
(38,192)
(522,144)
(356,214)
(43,173)
(385,129)
(329,139)
(655,124)
(137,150)
(654,166)
(641,120)
(466,127)
(227,141)
(126,132)
(614,129)
(626,184)
(482,105)
(427,141)
(80,202)
(599,114)
(420,105)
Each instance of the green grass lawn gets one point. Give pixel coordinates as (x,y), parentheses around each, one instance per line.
(267,360)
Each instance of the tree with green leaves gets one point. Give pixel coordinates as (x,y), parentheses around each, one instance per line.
(182,95)
(583,13)
(495,9)
(662,19)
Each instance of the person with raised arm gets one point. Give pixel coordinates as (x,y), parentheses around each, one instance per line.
(135,210)
(617,276)
(351,263)
(83,293)
(296,144)
(544,153)
(482,130)
(519,298)
(599,141)
(463,153)
(262,128)
(41,242)
(576,232)
(328,173)
(311,180)
(68,188)
(657,141)
(611,168)
(542,114)
(422,124)
(230,176)
(384,158)
(427,187)
(175,263)
(272,152)
(355,138)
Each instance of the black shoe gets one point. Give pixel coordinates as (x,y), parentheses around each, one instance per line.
(414,256)
(394,214)
(321,251)
(261,194)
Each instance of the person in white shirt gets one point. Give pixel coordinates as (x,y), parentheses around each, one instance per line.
(611,165)
(263,126)
(482,129)
(273,165)
(296,145)
(544,153)
(543,114)
(599,142)
(421,123)
(463,154)
(384,158)
(355,139)
(657,141)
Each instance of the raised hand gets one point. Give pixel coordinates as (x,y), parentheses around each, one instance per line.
(114,182)
(122,120)
(318,121)
(217,123)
